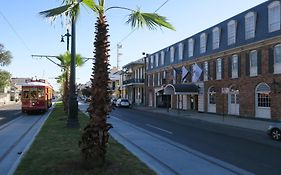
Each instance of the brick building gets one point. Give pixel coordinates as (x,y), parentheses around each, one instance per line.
(231,68)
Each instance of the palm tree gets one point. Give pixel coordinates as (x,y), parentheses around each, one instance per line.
(65,63)
(95,135)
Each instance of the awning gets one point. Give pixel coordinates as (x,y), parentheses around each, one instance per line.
(181,89)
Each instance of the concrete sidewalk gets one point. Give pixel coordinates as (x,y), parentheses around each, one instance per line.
(166,157)
(243,122)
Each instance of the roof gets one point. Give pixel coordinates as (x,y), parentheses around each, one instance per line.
(181,89)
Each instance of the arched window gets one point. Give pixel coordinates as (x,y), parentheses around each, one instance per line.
(180,51)
(263,95)
(212,95)
(231,32)
(172,54)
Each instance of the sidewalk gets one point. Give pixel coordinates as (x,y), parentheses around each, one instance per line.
(249,123)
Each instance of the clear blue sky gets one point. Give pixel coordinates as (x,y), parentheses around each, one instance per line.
(33,34)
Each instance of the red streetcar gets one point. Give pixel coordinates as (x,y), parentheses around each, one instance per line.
(36,96)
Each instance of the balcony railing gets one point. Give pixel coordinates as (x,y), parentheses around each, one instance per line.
(133,81)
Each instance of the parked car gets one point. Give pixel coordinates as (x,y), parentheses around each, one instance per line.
(274,131)
(122,102)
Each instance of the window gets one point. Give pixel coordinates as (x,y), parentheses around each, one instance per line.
(253,63)
(274,16)
(190,47)
(151,61)
(206,71)
(158,79)
(277,59)
(153,79)
(156,59)
(172,54)
(263,97)
(231,32)
(212,95)
(162,57)
(147,62)
(203,42)
(218,69)
(216,38)
(148,80)
(234,66)
(250,25)
(180,51)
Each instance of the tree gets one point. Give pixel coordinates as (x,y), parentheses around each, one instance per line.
(65,61)
(5,59)
(95,135)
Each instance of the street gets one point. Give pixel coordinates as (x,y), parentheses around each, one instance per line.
(9,112)
(248,149)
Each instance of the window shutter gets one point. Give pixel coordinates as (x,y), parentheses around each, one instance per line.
(222,68)
(247,64)
(215,70)
(201,65)
(259,62)
(239,65)
(209,72)
(270,60)
(229,67)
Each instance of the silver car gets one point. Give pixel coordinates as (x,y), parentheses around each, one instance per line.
(274,131)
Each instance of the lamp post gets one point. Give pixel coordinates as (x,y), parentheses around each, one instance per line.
(72,121)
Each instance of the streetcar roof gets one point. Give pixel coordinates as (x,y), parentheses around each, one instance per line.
(36,84)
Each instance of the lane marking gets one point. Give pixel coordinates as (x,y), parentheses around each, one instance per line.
(155,127)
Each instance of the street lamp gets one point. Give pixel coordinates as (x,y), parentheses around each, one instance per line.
(67,35)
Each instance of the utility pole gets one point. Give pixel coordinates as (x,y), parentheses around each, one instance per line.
(119,46)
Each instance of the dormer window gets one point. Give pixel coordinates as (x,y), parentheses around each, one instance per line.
(250,25)
(231,32)
(274,16)
(203,42)
(156,59)
(151,61)
(162,57)
(216,38)
(172,54)
(180,51)
(190,47)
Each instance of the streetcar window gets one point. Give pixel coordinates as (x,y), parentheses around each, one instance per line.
(33,93)
(41,93)
(25,93)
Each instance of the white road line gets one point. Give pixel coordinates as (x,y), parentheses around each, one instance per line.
(155,127)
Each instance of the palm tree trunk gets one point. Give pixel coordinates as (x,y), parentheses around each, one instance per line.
(66,91)
(95,135)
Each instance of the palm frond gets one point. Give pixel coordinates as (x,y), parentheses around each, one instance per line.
(151,20)
(91,4)
(57,11)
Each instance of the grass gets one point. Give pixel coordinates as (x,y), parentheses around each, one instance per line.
(55,151)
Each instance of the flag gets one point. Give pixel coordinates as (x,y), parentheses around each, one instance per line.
(184,73)
(197,71)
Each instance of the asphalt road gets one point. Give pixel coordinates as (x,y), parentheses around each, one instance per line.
(248,149)
(9,112)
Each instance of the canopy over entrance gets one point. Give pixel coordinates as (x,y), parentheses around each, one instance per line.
(181,89)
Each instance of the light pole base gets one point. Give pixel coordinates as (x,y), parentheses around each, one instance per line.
(72,121)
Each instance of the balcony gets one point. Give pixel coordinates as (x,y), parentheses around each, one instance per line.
(133,81)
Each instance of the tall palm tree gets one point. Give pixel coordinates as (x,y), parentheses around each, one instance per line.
(65,63)
(95,135)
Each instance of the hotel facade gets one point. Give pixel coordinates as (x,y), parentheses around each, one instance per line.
(233,67)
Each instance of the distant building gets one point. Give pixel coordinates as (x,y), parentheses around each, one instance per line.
(233,67)
(132,78)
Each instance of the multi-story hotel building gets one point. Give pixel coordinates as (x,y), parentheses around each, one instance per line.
(240,60)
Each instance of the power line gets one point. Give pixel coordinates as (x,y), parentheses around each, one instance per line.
(16,33)
(136,29)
